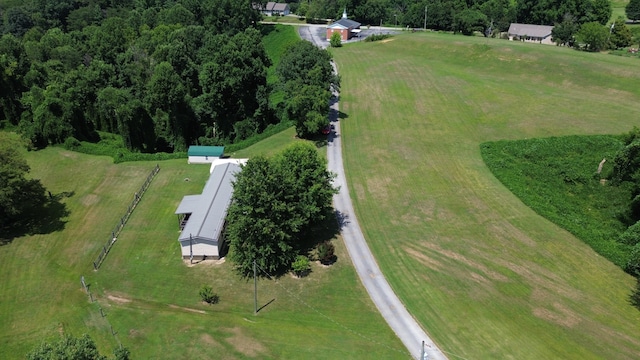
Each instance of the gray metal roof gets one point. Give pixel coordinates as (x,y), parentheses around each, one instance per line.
(346,23)
(209,209)
(538,31)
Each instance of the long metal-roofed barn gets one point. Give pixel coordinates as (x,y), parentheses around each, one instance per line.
(202,216)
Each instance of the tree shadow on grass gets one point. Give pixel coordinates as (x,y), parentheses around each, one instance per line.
(321,232)
(46,215)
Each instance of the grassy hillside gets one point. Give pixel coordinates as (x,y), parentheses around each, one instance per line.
(150,297)
(483,273)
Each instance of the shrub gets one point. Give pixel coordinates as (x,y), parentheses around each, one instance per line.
(377,37)
(632,235)
(72,143)
(207,295)
(634,298)
(633,265)
(301,266)
(336,40)
(326,253)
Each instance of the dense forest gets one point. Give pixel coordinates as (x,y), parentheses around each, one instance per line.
(163,74)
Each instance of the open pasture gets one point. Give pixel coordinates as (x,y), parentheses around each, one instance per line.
(150,296)
(486,276)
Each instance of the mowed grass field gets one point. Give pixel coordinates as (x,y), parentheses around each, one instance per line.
(486,276)
(150,296)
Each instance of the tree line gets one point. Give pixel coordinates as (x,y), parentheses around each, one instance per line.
(163,74)
(457,15)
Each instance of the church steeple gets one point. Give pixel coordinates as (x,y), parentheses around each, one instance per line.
(344,13)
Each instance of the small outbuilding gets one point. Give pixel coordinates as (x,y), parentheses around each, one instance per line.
(530,33)
(345,27)
(204,154)
(202,217)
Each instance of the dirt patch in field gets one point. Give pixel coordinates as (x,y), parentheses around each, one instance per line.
(245,344)
(119,299)
(89,200)
(423,259)
(387,40)
(187,309)
(451,255)
(560,315)
(207,262)
(379,187)
(208,340)
(69,154)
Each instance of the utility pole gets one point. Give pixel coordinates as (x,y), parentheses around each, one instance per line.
(255,289)
(425,17)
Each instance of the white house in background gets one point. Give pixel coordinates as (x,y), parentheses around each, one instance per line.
(202,217)
(530,33)
(204,154)
(275,9)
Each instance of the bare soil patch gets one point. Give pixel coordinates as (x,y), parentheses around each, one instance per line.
(187,309)
(245,344)
(118,299)
(206,262)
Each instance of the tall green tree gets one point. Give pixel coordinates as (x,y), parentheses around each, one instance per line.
(632,10)
(14,66)
(306,62)
(469,20)
(19,194)
(601,11)
(166,102)
(564,33)
(276,204)
(620,35)
(233,81)
(593,35)
(307,106)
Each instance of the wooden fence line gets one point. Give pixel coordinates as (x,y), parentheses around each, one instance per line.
(123,220)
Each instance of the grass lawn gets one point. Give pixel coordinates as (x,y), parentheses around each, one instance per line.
(483,273)
(150,297)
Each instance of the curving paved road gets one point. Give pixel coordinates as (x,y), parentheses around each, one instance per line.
(391,308)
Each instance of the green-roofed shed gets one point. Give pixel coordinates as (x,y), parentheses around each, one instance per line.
(204,154)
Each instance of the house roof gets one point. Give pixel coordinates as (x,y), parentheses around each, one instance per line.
(345,24)
(214,151)
(539,31)
(274,6)
(209,209)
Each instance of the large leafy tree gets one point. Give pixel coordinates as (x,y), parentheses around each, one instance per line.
(593,35)
(469,20)
(620,34)
(564,33)
(19,195)
(276,204)
(632,10)
(307,106)
(306,62)
(13,68)
(548,12)
(601,11)
(306,76)
(233,81)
